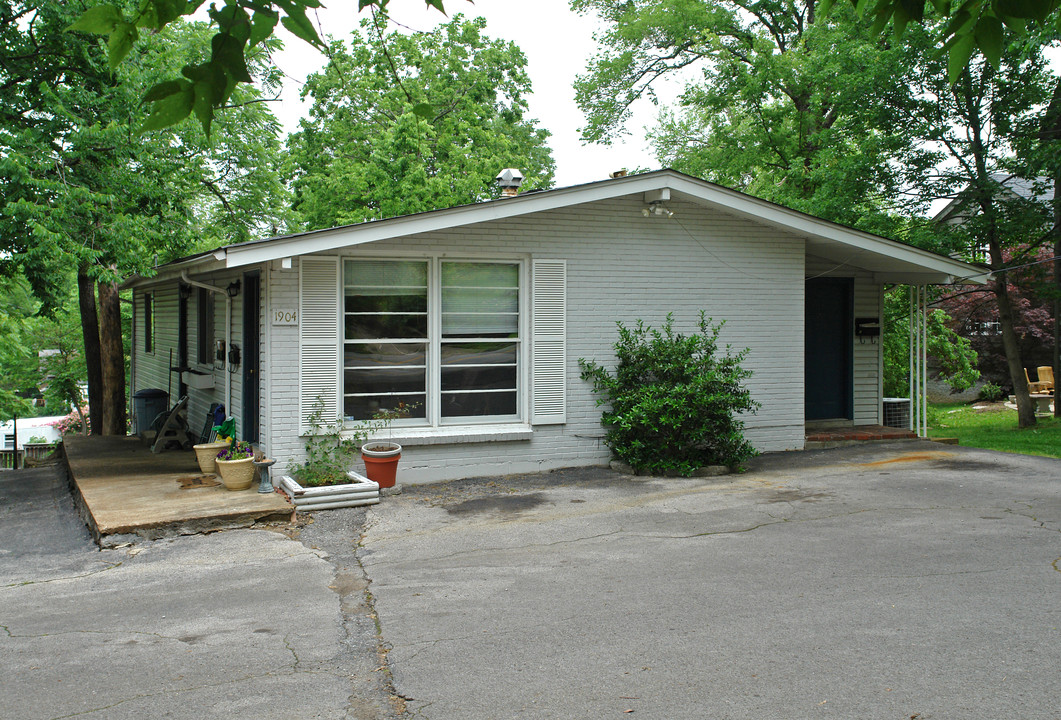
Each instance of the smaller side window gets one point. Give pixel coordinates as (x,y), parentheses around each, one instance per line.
(149,322)
(205,327)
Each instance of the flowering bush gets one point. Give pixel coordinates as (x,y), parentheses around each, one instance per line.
(238,450)
(70,424)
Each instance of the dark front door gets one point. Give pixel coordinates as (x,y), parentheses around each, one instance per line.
(252,296)
(183,291)
(829,346)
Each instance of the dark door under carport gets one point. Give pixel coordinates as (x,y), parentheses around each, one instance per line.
(252,295)
(829,342)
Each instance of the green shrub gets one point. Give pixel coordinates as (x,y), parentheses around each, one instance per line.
(330,452)
(991,392)
(672,400)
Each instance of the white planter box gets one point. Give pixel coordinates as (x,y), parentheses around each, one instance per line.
(361,491)
(198,380)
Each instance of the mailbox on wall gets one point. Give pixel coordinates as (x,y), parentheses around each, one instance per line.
(867,328)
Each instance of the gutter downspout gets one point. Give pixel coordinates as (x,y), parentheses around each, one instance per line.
(228,330)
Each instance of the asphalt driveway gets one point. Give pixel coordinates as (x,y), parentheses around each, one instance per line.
(240,624)
(904,581)
(910,580)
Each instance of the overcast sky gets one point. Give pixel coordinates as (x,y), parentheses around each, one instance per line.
(557,42)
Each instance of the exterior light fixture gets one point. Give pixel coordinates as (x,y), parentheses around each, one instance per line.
(656,208)
(233,289)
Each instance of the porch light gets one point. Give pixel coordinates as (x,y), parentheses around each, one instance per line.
(233,289)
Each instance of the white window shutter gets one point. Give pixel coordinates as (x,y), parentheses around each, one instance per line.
(319,339)
(548,342)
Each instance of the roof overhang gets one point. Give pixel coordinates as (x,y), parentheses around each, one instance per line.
(890,261)
(206,262)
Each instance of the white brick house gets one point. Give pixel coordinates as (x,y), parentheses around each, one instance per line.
(477,316)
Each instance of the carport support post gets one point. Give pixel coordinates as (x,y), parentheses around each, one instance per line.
(918,359)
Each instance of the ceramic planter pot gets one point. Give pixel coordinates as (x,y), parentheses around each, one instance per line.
(381,462)
(206,454)
(236,474)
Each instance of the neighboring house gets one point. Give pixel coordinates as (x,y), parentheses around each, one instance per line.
(29,428)
(476,317)
(976,314)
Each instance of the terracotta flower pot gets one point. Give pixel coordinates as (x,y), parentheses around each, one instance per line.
(236,474)
(381,462)
(206,454)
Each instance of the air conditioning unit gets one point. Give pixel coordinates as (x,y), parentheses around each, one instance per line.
(897,413)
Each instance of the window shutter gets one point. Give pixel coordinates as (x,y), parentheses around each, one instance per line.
(548,332)
(318,349)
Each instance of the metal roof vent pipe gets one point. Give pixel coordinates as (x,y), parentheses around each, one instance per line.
(509,179)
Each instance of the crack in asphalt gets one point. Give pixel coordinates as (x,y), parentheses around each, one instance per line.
(23,583)
(360,647)
(294,654)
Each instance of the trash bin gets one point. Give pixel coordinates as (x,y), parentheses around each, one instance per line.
(147,404)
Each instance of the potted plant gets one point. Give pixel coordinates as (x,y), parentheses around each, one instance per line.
(235,465)
(381,456)
(381,461)
(206,454)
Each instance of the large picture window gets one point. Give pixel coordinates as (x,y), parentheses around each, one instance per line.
(440,336)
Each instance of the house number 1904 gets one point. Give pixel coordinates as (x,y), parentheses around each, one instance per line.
(285,317)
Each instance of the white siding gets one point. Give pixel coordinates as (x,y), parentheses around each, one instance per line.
(151,370)
(280,367)
(620,266)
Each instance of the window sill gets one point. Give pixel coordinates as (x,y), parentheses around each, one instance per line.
(453,435)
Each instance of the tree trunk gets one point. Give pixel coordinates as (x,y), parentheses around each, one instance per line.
(1057,290)
(81,416)
(86,300)
(112,359)
(1025,409)
(1050,132)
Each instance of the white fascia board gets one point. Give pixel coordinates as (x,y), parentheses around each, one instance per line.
(373,231)
(199,264)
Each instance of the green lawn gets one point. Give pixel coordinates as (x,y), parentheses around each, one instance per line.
(995,428)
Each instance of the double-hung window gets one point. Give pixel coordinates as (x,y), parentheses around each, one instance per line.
(440,338)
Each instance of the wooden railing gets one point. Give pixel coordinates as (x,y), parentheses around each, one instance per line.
(32,451)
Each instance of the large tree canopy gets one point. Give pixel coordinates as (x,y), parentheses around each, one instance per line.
(207,84)
(81,191)
(783,103)
(403,123)
(963,26)
(81,187)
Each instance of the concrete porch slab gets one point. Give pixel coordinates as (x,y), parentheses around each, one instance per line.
(821,439)
(121,488)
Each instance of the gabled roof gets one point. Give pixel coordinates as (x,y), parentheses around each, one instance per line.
(891,261)
(1041,190)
